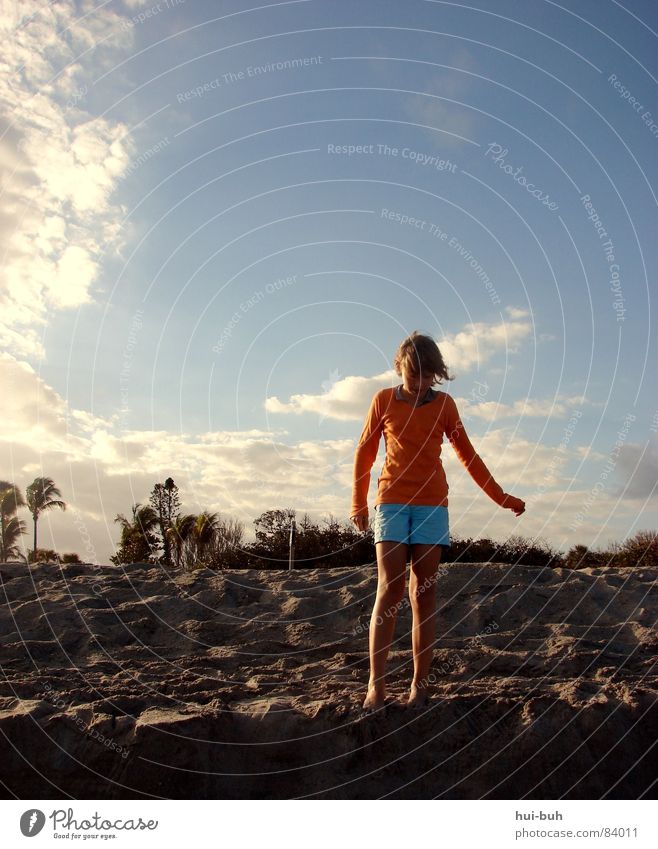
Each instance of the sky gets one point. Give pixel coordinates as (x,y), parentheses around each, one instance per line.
(220,219)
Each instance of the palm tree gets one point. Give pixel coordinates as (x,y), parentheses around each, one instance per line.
(13,530)
(144,519)
(144,522)
(42,494)
(179,532)
(138,540)
(205,530)
(11,527)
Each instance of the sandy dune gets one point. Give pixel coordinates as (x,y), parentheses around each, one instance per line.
(137,683)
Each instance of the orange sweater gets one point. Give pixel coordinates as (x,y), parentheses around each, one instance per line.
(412,472)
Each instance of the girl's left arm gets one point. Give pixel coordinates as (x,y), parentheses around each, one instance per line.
(474,464)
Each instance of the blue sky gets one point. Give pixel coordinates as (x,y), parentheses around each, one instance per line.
(220,221)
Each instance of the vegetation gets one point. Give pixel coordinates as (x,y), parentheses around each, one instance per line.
(11,527)
(336,544)
(179,535)
(42,495)
(165,503)
(70,557)
(639,551)
(329,544)
(514,550)
(206,540)
(157,532)
(139,542)
(43,555)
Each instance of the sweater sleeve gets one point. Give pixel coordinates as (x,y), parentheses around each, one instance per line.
(474,464)
(366,452)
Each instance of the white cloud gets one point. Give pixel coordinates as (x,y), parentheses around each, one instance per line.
(348,399)
(516,312)
(345,400)
(38,414)
(557,407)
(587,452)
(434,107)
(60,164)
(479,341)
(102,472)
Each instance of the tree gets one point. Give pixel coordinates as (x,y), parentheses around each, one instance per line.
(334,544)
(332,534)
(42,494)
(179,533)
(11,527)
(312,543)
(226,549)
(204,533)
(577,557)
(165,502)
(641,550)
(43,555)
(139,543)
(330,544)
(273,534)
(208,538)
(529,552)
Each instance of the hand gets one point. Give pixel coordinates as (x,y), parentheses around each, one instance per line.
(360,522)
(514,504)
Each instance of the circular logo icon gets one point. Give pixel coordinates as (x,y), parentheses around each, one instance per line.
(32,822)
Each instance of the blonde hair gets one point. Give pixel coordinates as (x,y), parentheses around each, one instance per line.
(421,355)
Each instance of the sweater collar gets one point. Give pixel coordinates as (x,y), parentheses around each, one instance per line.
(430,395)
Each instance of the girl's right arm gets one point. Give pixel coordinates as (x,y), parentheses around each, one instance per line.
(366,452)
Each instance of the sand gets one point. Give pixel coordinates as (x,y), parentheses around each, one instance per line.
(136,683)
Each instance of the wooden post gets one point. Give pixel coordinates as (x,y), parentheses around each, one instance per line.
(291,556)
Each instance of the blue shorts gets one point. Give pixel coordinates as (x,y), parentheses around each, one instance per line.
(412,523)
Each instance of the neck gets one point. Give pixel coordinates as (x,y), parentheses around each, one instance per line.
(410,396)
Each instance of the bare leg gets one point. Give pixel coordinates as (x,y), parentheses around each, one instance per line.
(425,561)
(391,568)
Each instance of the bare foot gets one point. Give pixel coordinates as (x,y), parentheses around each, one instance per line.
(375,698)
(418,697)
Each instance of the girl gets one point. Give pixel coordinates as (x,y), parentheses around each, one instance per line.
(411,507)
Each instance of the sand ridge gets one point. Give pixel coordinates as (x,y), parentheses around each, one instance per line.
(122,683)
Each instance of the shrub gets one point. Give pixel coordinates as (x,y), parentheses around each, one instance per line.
(515,550)
(71,557)
(578,557)
(640,551)
(42,555)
